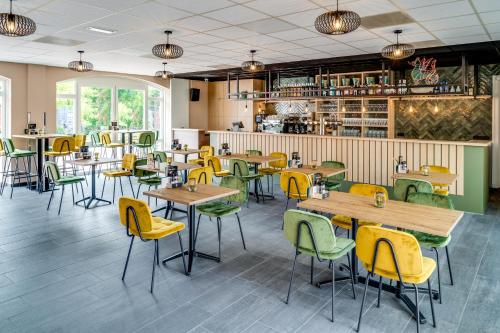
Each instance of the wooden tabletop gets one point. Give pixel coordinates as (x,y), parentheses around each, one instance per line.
(181,195)
(180,167)
(399,214)
(91,161)
(325,172)
(183,152)
(433,177)
(251,158)
(39,136)
(127,131)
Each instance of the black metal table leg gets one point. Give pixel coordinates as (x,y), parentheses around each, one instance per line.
(93,196)
(42,182)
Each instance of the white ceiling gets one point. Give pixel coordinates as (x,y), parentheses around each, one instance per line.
(219,33)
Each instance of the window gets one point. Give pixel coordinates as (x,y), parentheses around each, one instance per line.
(4,107)
(65,107)
(131,108)
(155,109)
(95,108)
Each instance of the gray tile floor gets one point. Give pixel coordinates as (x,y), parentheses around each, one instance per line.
(62,274)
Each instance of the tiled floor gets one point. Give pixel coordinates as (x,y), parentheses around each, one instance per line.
(62,274)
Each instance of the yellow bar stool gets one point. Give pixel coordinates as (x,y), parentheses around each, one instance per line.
(439,188)
(136,216)
(106,142)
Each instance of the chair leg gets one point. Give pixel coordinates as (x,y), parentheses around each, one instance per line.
(182,251)
(103,185)
(114,188)
(449,264)
(196,231)
(312,270)
(121,185)
(363,302)
(241,231)
(432,302)
(157,245)
(417,310)
(131,187)
(138,190)
(60,202)
(154,266)
(291,277)
(379,291)
(438,274)
(333,291)
(219,232)
(51,195)
(73,193)
(352,275)
(128,257)
(83,195)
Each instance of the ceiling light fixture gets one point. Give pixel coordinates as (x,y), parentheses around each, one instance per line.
(101,30)
(337,22)
(399,50)
(80,65)
(252,65)
(14,25)
(164,74)
(168,51)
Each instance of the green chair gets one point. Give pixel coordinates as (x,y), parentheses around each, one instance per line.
(240,169)
(51,171)
(15,155)
(145,143)
(432,242)
(403,187)
(95,140)
(220,209)
(312,234)
(253,152)
(160,156)
(144,177)
(334,183)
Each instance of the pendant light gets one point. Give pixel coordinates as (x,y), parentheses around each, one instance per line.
(168,50)
(80,65)
(399,50)
(164,74)
(337,22)
(14,25)
(252,65)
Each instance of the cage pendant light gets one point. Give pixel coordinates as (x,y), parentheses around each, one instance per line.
(337,22)
(168,50)
(164,74)
(399,50)
(252,65)
(14,25)
(80,65)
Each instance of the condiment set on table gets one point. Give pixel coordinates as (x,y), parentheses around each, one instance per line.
(295,162)
(401,166)
(225,149)
(318,190)
(84,153)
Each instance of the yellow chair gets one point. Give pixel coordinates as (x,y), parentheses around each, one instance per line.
(295,185)
(106,142)
(136,216)
(214,162)
(80,140)
(368,190)
(274,168)
(125,171)
(439,188)
(202,175)
(62,147)
(394,255)
(205,151)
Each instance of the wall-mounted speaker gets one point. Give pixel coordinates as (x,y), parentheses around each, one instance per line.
(194,94)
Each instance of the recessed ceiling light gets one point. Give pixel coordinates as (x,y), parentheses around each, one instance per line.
(101,30)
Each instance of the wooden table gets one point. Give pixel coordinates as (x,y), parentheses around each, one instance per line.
(433,177)
(180,167)
(325,172)
(256,160)
(42,145)
(92,163)
(181,195)
(398,214)
(186,153)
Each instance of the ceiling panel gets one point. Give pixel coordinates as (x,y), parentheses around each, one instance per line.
(236,15)
(281,7)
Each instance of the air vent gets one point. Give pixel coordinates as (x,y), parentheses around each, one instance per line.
(221,66)
(58,41)
(385,20)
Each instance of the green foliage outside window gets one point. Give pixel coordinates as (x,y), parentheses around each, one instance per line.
(131,108)
(95,108)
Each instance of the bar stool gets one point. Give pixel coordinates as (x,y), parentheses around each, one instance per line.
(106,142)
(13,154)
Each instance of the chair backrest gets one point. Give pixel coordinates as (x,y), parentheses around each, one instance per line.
(64,144)
(295,184)
(253,152)
(238,167)
(337,165)
(403,187)
(213,162)
(2,149)
(406,249)
(160,156)
(431,199)
(128,162)
(238,184)
(202,175)
(206,151)
(437,169)
(142,173)
(147,138)
(80,140)
(95,138)
(52,170)
(144,222)
(105,138)
(368,190)
(316,234)
(282,163)
(8,146)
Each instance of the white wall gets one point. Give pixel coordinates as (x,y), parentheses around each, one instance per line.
(495,147)
(179,103)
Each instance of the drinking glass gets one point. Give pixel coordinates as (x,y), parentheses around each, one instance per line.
(191,185)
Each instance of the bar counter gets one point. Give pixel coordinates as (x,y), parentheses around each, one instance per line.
(372,160)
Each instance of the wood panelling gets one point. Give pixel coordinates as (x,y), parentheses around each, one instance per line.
(367,160)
